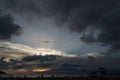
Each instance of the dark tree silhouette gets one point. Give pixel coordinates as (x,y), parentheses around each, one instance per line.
(102,71)
(1,72)
(93,74)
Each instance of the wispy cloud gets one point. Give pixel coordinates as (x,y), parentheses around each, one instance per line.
(33,51)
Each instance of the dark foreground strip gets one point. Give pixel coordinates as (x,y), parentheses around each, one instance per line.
(60,78)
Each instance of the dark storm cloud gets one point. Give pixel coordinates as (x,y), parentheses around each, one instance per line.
(96,21)
(24,6)
(29,62)
(40,58)
(61,64)
(8,27)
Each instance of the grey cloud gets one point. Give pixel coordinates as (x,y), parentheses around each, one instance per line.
(89,16)
(99,18)
(40,58)
(47,41)
(8,27)
(62,64)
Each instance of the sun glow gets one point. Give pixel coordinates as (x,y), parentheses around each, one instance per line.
(22,70)
(40,70)
(34,51)
(6,59)
(93,55)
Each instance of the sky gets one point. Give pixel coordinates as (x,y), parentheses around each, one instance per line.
(59,36)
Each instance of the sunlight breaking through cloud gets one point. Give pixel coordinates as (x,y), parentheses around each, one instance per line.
(93,55)
(34,51)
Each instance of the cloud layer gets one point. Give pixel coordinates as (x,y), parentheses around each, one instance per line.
(96,21)
(57,64)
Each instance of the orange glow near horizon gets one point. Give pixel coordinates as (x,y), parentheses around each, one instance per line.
(38,70)
(18,71)
(25,71)
(22,70)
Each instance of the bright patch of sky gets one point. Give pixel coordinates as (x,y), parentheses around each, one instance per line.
(44,33)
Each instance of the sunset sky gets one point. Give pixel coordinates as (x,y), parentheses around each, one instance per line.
(59,36)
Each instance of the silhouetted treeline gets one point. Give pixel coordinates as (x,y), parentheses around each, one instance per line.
(92,76)
(63,78)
